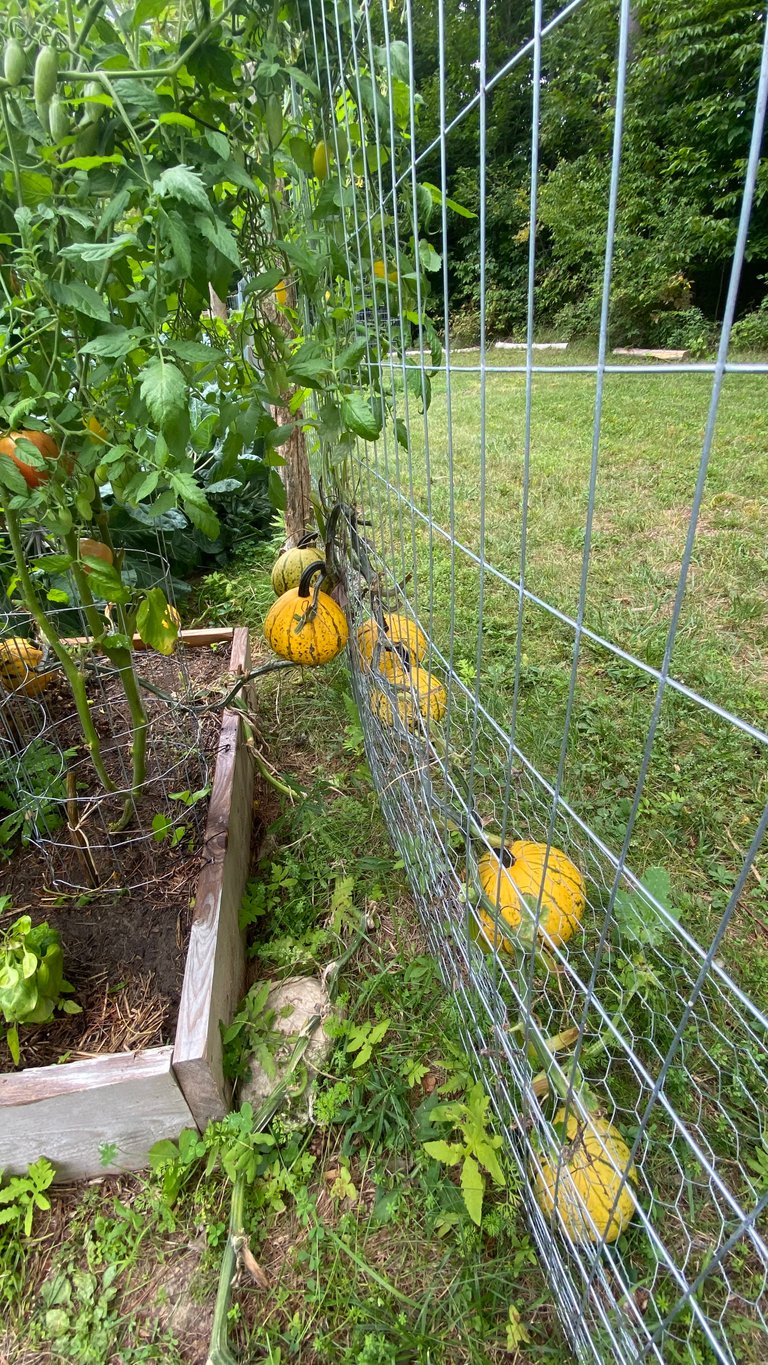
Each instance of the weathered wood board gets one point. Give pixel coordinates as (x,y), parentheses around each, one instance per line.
(211,635)
(659,354)
(69,1112)
(215,971)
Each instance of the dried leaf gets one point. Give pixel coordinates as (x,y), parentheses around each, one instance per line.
(247,1261)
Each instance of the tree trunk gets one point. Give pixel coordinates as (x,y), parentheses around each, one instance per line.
(295,476)
(295,472)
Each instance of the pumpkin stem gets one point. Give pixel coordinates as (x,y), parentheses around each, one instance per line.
(308,575)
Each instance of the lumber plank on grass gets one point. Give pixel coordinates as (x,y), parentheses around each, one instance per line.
(215,971)
(194,638)
(68,1113)
(642,354)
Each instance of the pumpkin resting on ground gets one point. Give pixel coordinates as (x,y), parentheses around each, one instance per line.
(19,662)
(594,1160)
(417,691)
(305,625)
(520,871)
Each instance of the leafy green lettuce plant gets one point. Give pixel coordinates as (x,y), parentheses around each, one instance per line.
(32,981)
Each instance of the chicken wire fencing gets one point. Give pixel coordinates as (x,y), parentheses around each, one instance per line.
(599,991)
(50,794)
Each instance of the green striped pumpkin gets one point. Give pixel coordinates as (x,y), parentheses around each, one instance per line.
(289,567)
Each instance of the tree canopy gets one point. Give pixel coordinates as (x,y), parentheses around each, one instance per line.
(691,87)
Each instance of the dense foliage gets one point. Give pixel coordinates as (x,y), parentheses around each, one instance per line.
(153,167)
(691,85)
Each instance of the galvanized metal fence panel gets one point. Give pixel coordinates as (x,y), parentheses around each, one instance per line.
(637,1022)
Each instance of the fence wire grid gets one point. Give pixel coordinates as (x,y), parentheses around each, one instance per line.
(637,1019)
(49,793)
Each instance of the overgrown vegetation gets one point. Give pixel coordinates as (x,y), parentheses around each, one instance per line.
(369,1248)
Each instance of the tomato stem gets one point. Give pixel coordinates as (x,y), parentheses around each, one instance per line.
(49,632)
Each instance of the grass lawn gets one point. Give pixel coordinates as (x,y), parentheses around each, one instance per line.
(370,1255)
(707,783)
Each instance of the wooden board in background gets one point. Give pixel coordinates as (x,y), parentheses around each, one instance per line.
(194,639)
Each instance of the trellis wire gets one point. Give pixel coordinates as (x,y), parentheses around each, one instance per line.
(47,774)
(687,1092)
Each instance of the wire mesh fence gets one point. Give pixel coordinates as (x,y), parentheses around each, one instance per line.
(537,764)
(50,794)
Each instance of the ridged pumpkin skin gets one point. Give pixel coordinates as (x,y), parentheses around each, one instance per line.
(399,629)
(290,565)
(19,661)
(596,1156)
(562,901)
(417,691)
(306,641)
(45,444)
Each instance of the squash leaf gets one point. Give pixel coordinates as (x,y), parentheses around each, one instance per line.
(155,624)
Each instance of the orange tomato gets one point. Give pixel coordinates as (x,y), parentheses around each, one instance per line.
(95,549)
(93,425)
(44,443)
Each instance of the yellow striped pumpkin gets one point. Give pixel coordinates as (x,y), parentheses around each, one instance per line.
(399,629)
(305,625)
(415,692)
(519,872)
(19,662)
(290,565)
(584,1183)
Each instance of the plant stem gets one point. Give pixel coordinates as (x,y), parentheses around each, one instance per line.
(219,1352)
(48,631)
(70,23)
(90,20)
(123,661)
(12,151)
(92,614)
(264,771)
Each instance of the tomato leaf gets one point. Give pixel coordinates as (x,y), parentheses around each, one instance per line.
(181,182)
(98,251)
(163,390)
(81,299)
(114,344)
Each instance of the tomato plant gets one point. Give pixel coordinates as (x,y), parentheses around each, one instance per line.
(150,168)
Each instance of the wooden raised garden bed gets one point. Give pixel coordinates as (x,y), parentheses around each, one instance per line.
(119,1104)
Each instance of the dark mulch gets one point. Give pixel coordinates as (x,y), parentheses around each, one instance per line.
(124,950)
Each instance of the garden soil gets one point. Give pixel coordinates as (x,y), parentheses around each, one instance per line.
(124,951)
